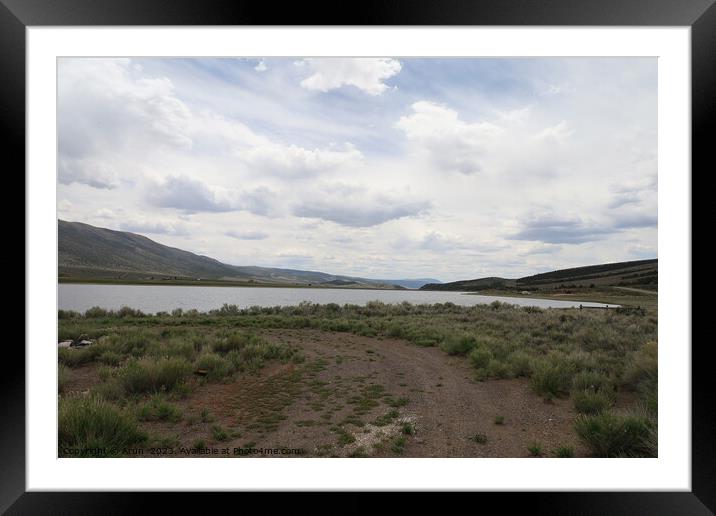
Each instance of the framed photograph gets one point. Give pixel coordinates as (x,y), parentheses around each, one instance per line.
(413,250)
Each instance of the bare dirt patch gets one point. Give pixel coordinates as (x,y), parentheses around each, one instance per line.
(81,379)
(366,397)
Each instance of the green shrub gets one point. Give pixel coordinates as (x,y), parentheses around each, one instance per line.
(111,390)
(642,373)
(228,309)
(649,394)
(73,357)
(93,427)
(109,358)
(176,347)
(252,356)
(64,376)
(535,449)
(106,372)
(407,428)
(395,330)
(520,363)
(164,441)
(126,311)
(96,312)
(458,345)
(498,369)
(134,343)
(424,342)
(478,438)
(219,433)
(592,381)
(359,452)
(551,378)
(398,445)
(206,416)
(387,418)
(344,436)
(235,342)
(147,375)
(591,402)
(157,409)
(617,435)
(650,442)
(564,452)
(480,375)
(480,357)
(216,366)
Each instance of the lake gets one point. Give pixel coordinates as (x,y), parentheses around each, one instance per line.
(156,298)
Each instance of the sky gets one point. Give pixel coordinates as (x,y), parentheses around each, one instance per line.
(374,167)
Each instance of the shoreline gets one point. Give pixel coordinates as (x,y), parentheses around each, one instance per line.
(218,283)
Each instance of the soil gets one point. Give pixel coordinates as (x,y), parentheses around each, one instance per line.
(356,396)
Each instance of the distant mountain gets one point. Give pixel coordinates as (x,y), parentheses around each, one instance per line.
(641,273)
(411,283)
(87,252)
(470,285)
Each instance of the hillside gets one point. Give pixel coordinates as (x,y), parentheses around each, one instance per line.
(642,274)
(410,283)
(87,252)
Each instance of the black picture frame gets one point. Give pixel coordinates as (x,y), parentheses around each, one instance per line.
(17,15)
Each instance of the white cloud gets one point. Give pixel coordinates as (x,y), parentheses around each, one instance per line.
(293,161)
(624,198)
(90,171)
(261,67)
(451,144)
(260,201)
(557,133)
(547,89)
(110,114)
(64,205)
(365,73)
(357,206)
(190,195)
(212,156)
(193,196)
(247,235)
(433,241)
(634,203)
(101,98)
(517,116)
(153,226)
(550,228)
(105,213)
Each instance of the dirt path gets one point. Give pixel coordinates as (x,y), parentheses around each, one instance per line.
(357,396)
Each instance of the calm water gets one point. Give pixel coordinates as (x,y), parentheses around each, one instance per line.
(156,298)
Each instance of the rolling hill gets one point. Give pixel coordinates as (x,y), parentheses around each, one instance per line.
(642,274)
(410,283)
(87,252)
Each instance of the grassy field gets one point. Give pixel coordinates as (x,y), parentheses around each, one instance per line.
(129,389)
(624,296)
